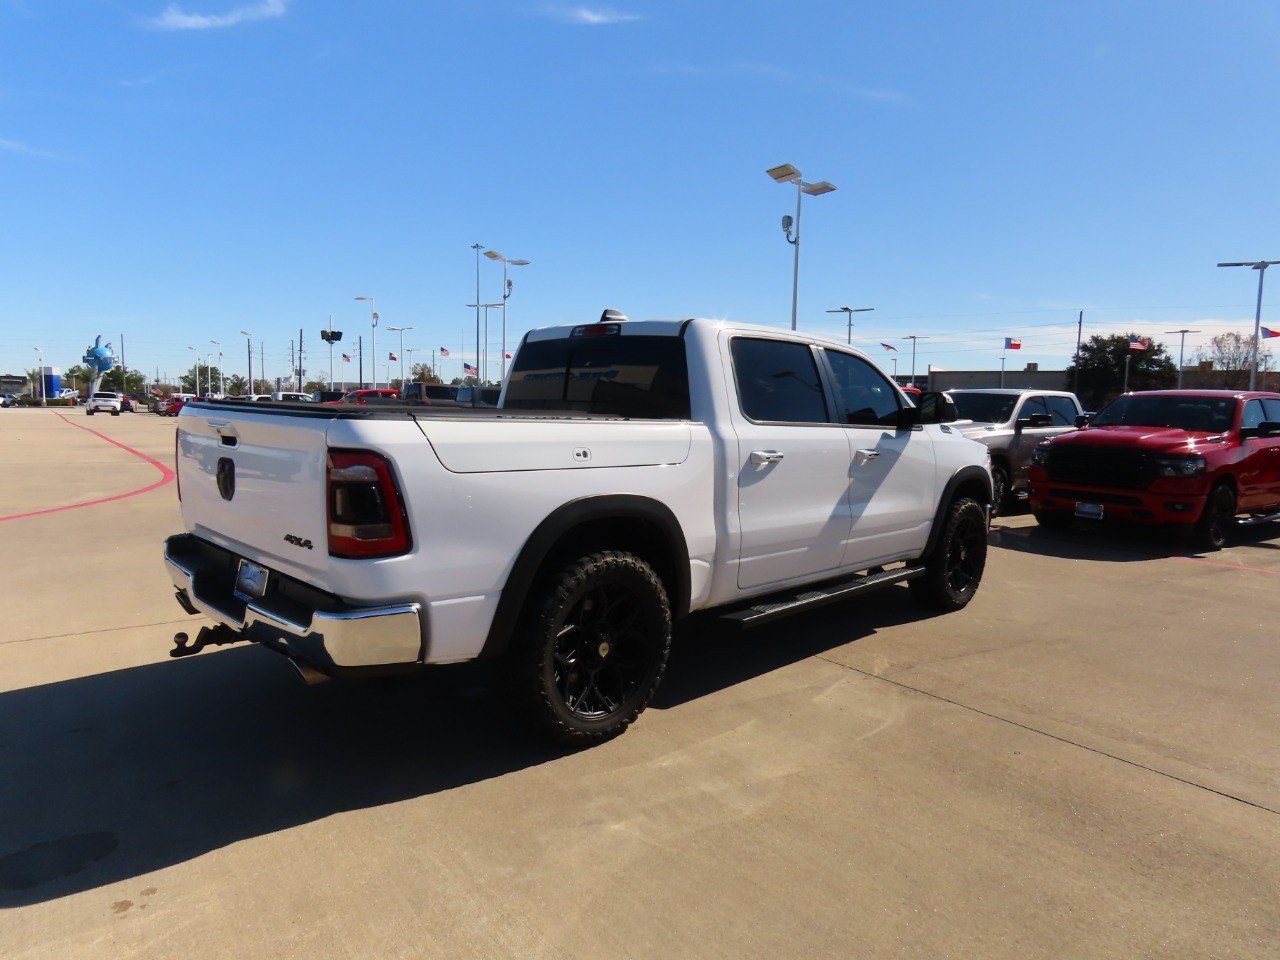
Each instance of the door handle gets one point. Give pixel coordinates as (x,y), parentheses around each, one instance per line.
(766,456)
(868,454)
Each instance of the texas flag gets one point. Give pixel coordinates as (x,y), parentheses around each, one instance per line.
(444,351)
(1012,343)
(1267,332)
(889,346)
(1139,343)
(391,356)
(469,370)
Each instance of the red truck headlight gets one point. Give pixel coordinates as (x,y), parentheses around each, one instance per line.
(365,509)
(1179,466)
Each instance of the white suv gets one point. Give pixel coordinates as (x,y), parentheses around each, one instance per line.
(103,400)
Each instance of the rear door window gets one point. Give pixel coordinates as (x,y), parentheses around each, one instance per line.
(778,381)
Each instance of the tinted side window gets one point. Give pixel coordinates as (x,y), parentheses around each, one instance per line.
(1033,405)
(1063,411)
(1272,408)
(1253,414)
(778,381)
(864,395)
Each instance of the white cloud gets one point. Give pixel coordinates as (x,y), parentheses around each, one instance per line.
(175,18)
(593,17)
(13,146)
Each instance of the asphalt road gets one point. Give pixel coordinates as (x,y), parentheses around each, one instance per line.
(1084,763)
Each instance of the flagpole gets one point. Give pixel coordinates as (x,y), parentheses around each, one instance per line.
(1002,356)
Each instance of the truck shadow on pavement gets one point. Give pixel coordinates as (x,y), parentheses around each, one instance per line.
(117,775)
(1122,543)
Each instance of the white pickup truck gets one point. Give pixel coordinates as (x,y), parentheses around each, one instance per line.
(634,473)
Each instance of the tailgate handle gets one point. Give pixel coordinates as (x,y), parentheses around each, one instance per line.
(225,431)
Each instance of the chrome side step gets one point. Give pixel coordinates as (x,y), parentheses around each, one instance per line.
(1253,521)
(784,604)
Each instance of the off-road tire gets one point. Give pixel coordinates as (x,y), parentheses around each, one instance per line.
(1213,526)
(587,659)
(1001,490)
(953,569)
(88,412)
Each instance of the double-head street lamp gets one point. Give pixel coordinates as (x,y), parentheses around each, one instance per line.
(786,173)
(913,338)
(197,353)
(373,338)
(222,386)
(1261,267)
(248,341)
(482,363)
(849,312)
(506,293)
(401,331)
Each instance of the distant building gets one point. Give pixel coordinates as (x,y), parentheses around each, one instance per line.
(13,383)
(1031,377)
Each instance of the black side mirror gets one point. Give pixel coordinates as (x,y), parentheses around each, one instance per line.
(935,407)
(1268,428)
(1033,421)
(1082,420)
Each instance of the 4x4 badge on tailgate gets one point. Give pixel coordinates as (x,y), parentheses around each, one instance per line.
(226,477)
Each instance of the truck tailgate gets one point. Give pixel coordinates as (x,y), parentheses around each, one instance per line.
(254,482)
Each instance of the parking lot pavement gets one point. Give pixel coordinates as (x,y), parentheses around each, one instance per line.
(1080,764)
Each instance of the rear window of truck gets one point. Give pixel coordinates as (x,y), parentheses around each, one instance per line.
(638,376)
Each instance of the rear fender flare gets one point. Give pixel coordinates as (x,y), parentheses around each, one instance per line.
(582,518)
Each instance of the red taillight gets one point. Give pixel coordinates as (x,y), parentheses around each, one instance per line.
(366,515)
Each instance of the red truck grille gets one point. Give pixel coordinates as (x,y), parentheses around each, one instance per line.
(1099,466)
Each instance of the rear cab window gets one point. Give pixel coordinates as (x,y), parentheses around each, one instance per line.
(640,376)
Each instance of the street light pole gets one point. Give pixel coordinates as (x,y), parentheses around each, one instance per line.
(477,247)
(401,330)
(849,312)
(197,353)
(786,173)
(1181,350)
(487,307)
(913,338)
(222,387)
(1261,267)
(44,401)
(373,338)
(506,293)
(248,340)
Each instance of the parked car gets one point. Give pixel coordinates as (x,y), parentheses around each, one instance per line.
(104,401)
(368,395)
(1011,423)
(1202,460)
(292,397)
(479,396)
(8,400)
(431,394)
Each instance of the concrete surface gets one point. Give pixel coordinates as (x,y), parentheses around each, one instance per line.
(1084,763)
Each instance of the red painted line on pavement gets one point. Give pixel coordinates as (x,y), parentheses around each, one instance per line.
(1231,566)
(167,476)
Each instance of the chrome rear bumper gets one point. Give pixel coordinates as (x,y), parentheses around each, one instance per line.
(293,617)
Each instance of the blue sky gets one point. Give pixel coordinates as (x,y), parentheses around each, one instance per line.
(174,173)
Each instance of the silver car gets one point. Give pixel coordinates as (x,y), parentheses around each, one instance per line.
(1010,422)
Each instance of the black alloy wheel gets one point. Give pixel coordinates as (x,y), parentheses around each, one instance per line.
(953,570)
(1211,530)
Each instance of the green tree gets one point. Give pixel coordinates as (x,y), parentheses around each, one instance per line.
(1101,369)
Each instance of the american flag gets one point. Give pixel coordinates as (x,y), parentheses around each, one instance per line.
(468,369)
(889,346)
(1139,343)
(1012,343)
(346,358)
(444,351)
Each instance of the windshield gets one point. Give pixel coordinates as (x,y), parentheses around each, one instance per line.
(984,407)
(1194,414)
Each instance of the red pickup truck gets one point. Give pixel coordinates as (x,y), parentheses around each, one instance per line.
(1206,460)
(366,395)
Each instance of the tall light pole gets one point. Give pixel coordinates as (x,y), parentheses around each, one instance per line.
(222,386)
(849,312)
(1261,267)
(913,338)
(410,351)
(506,293)
(373,338)
(487,307)
(477,247)
(401,330)
(248,340)
(1181,349)
(44,401)
(197,353)
(786,173)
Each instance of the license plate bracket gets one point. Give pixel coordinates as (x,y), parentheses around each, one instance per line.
(251,580)
(1089,511)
